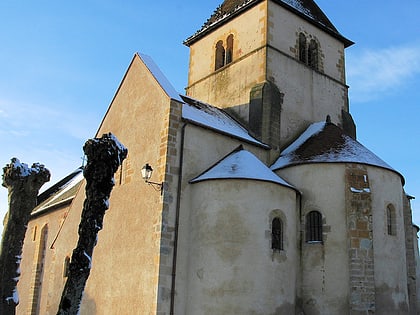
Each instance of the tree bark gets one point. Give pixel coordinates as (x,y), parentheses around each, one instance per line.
(104,156)
(23,184)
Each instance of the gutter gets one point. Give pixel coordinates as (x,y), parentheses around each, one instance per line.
(52,207)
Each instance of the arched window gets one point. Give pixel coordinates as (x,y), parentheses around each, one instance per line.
(390,220)
(302,47)
(34,231)
(313,54)
(313,227)
(277,234)
(229,49)
(220,55)
(66,267)
(38,271)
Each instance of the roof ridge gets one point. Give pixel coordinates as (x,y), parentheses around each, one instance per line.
(308,9)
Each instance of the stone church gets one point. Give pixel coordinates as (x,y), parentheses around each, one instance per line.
(261,201)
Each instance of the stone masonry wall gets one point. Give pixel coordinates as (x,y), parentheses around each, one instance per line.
(360,237)
(168,165)
(411,262)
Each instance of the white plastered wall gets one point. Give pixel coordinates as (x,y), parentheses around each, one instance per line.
(389,250)
(325,271)
(232,268)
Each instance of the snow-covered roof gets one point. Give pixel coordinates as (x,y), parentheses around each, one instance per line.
(67,187)
(214,118)
(200,113)
(241,164)
(61,192)
(308,9)
(325,142)
(160,77)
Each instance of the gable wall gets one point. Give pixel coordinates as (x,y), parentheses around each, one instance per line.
(139,117)
(126,260)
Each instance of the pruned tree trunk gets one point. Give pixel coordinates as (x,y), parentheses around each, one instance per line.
(104,156)
(23,184)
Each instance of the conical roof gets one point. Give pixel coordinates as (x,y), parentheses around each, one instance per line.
(324,142)
(308,9)
(241,164)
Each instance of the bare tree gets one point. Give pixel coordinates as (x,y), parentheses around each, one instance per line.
(104,156)
(23,184)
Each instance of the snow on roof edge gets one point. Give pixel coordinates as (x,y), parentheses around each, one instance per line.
(311,131)
(218,121)
(53,201)
(241,164)
(160,77)
(298,163)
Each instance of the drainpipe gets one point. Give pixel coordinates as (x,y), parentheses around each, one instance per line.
(301,235)
(178,206)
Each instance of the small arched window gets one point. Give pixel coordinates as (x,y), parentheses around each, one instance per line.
(302,47)
(34,231)
(66,267)
(229,49)
(220,55)
(390,220)
(38,271)
(313,227)
(277,234)
(313,54)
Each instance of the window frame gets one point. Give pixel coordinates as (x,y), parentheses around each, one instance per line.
(277,234)
(302,48)
(391,226)
(220,55)
(223,56)
(229,49)
(313,54)
(314,227)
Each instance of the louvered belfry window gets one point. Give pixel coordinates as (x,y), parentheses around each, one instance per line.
(224,56)
(220,55)
(302,47)
(313,227)
(313,55)
(229,49)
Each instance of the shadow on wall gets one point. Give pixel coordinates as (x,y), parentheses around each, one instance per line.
(88,305)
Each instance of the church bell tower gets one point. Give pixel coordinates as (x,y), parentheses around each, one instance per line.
(275,65)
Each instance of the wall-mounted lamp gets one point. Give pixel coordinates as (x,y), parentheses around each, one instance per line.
(146,174)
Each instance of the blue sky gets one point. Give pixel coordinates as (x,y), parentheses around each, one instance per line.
(61,63)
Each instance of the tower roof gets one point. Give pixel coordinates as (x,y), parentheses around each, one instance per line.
(307,9)
(324,142)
